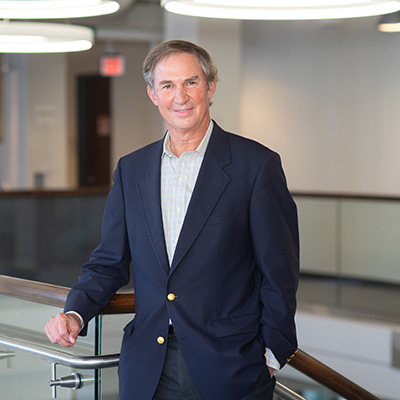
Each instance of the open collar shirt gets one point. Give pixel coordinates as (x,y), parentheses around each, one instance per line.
(178,178)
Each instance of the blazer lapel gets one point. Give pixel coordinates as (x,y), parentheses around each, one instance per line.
(210,184)
(149,190)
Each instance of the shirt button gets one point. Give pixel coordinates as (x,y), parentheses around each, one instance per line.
(160,340)
(171,297)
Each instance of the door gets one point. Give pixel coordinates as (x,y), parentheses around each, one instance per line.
(94,130)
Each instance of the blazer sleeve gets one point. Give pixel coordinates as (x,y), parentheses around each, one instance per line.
(108,267)
(274,228)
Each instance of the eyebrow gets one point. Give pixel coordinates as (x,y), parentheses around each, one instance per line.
(167,82)
(192,78)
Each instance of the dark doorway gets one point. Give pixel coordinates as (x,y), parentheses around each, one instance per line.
(94,129)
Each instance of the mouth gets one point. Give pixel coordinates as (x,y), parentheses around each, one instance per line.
(183,111)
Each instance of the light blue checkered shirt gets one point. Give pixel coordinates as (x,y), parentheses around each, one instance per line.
(178,178)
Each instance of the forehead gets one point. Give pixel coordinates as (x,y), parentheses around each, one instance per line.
(177,66)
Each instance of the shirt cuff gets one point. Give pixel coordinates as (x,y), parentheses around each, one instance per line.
(78,315)
(272,362)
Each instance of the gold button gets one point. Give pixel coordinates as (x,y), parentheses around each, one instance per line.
(160,340)
(171,297)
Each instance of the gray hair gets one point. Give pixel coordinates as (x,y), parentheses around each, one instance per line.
(178,46)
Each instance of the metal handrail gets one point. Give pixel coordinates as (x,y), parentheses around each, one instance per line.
(60,357)
(94,362)
(285,393)
(125,303)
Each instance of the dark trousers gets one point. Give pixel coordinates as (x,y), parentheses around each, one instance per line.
(176,383)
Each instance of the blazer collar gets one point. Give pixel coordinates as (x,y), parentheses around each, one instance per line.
(150,195)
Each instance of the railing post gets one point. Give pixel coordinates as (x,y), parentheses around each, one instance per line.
(53,378)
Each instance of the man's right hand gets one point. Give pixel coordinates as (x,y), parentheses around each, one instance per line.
(63,329)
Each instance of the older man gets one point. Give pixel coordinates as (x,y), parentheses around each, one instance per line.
(208,223)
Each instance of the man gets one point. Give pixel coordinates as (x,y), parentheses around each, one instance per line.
(210,227)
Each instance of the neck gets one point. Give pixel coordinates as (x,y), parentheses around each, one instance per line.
(182,142)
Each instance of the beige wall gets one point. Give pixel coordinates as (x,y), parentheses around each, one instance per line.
(325,96)
(46,116)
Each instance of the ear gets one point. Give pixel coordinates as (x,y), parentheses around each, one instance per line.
(211,90)
(152,96)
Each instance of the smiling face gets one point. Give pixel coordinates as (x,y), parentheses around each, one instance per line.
(182,95)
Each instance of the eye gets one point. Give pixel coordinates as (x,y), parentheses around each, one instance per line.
(166,87)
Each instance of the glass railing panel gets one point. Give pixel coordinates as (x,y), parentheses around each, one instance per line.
(47,238)
(318,226)
(26,377)
(318,219)
(355,238)
(350,253)
(111,338)
(370,240)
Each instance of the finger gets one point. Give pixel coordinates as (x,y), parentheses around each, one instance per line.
(74,327)
(50,330)
(57,330)
(68,328)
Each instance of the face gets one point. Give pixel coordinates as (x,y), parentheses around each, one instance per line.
(181,94)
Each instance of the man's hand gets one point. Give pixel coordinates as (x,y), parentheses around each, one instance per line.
(63,329)
(271,371)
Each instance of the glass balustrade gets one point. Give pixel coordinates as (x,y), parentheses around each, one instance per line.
(47,237)
(111,337)
(24,376)
(349,254)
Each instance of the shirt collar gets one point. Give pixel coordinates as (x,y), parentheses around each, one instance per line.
(201,149)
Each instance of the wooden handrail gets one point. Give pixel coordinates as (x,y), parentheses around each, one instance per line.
(103,191)
(124,303)
(54,295)
(326,376)
(37,292)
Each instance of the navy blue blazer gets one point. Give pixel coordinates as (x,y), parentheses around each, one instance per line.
(234,273)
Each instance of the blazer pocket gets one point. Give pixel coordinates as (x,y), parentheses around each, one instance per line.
(128,329)
(236,325)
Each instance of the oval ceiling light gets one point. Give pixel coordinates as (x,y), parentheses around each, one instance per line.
(33,37)
(390,23)
(281,9)
(53,9)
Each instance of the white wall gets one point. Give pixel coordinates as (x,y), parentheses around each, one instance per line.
(34,121)
(47,120)
(325,96)
(13,142)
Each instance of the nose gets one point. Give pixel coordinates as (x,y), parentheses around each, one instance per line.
(181,95)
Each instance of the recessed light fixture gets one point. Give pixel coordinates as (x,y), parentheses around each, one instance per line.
(281,9)
(34,37)
(53,9)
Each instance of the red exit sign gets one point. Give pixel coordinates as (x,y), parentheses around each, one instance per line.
(112,65)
